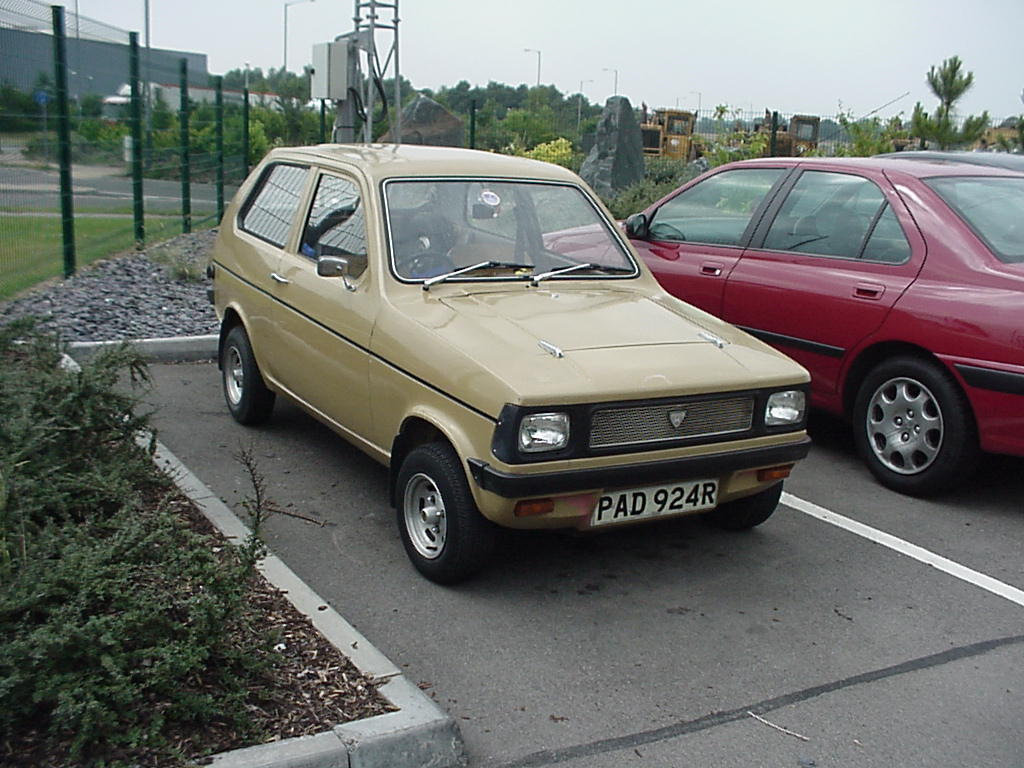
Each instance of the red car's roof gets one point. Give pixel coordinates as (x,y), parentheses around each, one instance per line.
(916,168)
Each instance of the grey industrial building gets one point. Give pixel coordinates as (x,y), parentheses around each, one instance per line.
(95,66)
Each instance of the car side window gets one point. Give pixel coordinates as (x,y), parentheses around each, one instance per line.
(887,244)
(833,214)
(335,225)
(715,211)
(270,210)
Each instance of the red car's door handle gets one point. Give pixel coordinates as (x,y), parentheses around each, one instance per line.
(711,270)
(868,291)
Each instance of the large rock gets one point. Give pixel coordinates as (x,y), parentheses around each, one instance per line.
(424,121)
(617,158)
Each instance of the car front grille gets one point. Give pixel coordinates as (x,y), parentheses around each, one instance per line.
(644,424)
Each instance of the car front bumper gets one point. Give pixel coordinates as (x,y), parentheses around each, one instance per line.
(514,486)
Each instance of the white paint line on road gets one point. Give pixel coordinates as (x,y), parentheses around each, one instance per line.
(896,544)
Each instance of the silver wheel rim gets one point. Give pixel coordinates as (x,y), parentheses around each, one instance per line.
(425,519)
(904,426)
(234,376)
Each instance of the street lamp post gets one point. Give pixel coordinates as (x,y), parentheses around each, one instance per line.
(579,108)
(534,50)
(698,102)
(284,65)
(615,89)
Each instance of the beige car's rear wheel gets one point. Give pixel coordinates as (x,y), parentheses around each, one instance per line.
(247,396)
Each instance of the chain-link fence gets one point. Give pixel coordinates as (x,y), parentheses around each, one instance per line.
(105,144)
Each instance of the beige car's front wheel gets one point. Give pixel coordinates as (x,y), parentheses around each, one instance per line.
(444,534)
(745,513)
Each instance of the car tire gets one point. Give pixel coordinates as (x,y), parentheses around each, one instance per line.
(746,513)
(914,427)
(444,534)
(248,398)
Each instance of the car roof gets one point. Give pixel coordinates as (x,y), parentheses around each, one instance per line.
(993,159)
(383,161)
(922,168)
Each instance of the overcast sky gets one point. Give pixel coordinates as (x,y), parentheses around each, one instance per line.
(787,55)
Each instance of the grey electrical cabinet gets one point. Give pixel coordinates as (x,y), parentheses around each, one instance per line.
(329,79)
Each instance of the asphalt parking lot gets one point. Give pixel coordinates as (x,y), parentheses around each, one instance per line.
(899,642)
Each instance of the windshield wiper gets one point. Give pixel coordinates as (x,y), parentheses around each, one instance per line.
(575,267)
(472,268)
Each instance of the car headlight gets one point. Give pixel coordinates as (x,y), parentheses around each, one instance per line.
(785,408)
(543,432)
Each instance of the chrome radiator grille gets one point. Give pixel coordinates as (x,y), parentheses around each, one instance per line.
(638,425)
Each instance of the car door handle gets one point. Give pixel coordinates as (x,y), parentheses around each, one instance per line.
(278,279)
(868,291)
(711,270)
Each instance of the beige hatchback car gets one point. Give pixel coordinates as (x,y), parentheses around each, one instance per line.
(479,324)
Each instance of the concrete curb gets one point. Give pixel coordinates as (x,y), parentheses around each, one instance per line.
(419,735)
(170,350)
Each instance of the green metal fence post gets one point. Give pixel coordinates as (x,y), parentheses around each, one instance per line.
(218,84)
(245,132)
(60,71)
(186,174)
(775,131)
(136,127)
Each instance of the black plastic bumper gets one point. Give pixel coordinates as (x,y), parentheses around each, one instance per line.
(514,486)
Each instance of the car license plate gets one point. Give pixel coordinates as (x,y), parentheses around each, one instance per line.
(654,501)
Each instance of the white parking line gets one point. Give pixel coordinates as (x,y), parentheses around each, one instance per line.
(920,554)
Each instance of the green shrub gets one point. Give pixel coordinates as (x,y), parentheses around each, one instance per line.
(662,175)
(119,624)
(558,152)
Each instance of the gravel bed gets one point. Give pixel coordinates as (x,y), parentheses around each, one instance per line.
(134,296)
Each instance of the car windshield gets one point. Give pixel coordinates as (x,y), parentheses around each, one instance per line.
(993,206)
(497,229)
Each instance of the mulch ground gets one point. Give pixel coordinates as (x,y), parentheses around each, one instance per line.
(312,687)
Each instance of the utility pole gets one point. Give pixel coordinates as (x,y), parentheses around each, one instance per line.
(534,50)
(579,108)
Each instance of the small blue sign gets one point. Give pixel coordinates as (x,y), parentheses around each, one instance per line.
(41,97)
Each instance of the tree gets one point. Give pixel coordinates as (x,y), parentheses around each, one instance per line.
(870,136)
(949,83)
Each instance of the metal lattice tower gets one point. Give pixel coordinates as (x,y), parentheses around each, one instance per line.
(368,22)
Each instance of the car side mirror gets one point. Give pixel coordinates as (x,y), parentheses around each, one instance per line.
(636,226)
(335,266)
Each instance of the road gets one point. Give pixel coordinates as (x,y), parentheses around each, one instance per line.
(98,189)
(656,646)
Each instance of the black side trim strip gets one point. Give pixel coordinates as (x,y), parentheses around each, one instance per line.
(781,340)
(360,347)
(512,486)
(988,378)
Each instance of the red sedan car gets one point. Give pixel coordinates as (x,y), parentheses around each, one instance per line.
(899,285)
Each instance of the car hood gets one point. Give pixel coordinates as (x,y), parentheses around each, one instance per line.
(574,345)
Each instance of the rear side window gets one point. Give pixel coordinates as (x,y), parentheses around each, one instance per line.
(715,211)
(838,214)
(887,243)
(993,206)
(270,209)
